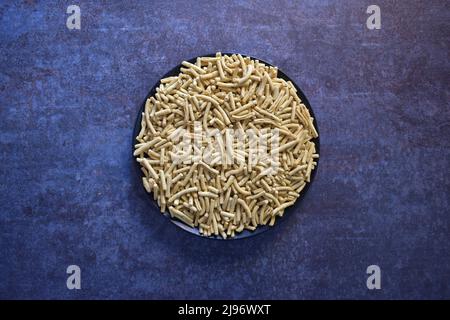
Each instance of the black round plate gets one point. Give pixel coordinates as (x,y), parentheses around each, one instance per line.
(246,233)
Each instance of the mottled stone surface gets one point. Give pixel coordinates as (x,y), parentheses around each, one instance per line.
(68,193)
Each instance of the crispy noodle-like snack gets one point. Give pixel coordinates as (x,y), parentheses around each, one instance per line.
(225,92)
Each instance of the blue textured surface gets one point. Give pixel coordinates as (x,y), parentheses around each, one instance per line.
(68,193)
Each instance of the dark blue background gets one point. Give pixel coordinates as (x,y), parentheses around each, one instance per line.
(68,193)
